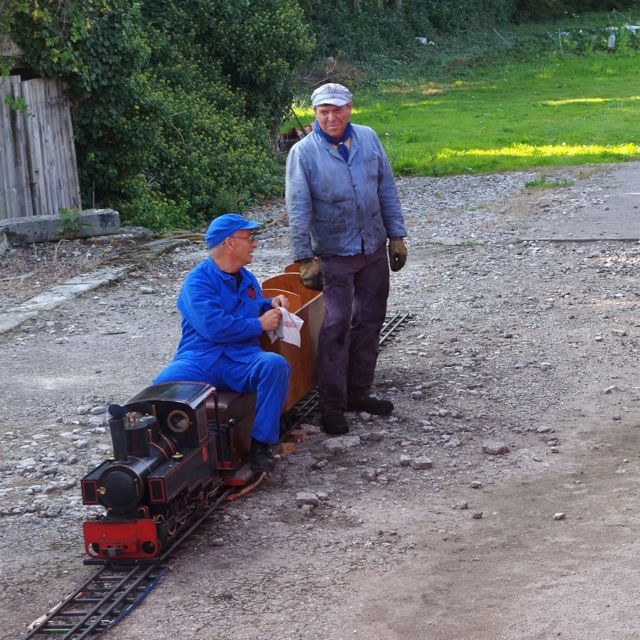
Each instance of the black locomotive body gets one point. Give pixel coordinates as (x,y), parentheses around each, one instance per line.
(174,446)
(177,445)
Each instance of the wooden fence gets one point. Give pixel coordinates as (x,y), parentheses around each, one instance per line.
(38,170)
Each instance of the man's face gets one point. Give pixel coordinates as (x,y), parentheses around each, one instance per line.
(242,245)
(333,120)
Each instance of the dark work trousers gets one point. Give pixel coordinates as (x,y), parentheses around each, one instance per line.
(355,294)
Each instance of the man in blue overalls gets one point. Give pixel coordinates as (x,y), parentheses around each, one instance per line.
(223,315)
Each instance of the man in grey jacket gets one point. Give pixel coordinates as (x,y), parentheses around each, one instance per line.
(343,205)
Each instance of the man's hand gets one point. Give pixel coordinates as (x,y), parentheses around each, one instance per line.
(397,254)
(270,320)
(280,301)
(311,274)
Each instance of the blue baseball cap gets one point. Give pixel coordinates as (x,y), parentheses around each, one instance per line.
(224,226)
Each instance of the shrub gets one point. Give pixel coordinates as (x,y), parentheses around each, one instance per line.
(361,29)
(173,103)
(541,10)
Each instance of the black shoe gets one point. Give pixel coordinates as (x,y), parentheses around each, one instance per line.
(334,423)
(261,457)
(370,405)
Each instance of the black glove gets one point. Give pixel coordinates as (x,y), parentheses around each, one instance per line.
(311,274)
(397,254)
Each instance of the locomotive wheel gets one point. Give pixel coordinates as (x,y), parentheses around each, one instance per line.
(202,499)
(179,506)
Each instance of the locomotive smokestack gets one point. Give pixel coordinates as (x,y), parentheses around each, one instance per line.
(139,436)
(118,434)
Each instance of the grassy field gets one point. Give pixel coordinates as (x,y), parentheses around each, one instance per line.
(558,109)
(563,111)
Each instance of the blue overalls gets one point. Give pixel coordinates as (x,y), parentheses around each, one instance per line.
(220,343)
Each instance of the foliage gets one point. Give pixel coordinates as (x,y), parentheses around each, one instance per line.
(19,104)
(71,223)
(542,10)
(257,46)
(465,15)
(545,183)
(174,104)
(372,31)
(356,30)
(372,28)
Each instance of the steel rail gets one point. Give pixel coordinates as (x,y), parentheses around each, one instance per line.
(112,592)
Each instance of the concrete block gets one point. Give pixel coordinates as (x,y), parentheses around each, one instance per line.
(89,223)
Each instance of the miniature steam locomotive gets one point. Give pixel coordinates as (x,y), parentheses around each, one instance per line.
(176,446)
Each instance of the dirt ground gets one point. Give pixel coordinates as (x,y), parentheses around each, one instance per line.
(498,502)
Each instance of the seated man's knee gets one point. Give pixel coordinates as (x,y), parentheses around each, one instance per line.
(280,364)
(176,371)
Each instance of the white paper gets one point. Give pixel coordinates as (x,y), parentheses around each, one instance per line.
(289,328)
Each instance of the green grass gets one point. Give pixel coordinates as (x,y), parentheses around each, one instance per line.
(544,183)
(557,110)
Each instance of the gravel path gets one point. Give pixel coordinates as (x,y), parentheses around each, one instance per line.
(496,503)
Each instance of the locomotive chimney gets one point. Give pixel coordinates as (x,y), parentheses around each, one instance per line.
(118,434)
(139,436)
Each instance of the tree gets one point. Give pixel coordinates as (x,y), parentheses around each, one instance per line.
(173,103)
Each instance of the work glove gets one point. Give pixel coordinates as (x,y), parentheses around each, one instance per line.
(311,274)
(397,254)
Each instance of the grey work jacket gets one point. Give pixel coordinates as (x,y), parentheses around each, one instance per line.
(337,207)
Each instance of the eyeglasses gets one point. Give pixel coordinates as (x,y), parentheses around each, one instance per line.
(251,237)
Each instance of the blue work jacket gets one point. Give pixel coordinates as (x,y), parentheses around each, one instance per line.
(218,316)
(338,207)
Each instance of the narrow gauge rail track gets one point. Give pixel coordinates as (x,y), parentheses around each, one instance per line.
(114,590)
